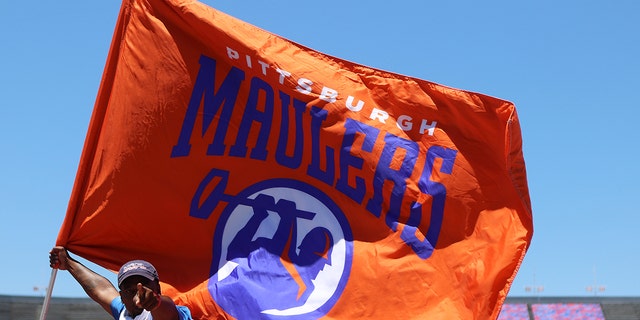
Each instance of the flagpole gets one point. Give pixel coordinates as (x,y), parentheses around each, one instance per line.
(45,304)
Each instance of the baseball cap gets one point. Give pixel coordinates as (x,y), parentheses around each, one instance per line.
(137,268)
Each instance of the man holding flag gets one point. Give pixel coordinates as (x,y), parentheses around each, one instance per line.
(139,296)
(285,184)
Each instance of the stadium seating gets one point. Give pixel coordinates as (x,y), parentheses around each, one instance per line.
(569,311)
(514,311)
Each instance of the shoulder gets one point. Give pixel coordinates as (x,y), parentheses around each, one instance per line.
(184,313)
(116,307)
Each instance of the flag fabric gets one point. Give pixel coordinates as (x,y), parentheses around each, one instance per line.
(266,180)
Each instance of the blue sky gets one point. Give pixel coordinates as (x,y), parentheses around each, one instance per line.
(571,68)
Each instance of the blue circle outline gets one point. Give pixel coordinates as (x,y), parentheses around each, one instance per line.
(314,192)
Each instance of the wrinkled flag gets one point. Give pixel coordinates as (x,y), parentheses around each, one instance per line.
(266,180)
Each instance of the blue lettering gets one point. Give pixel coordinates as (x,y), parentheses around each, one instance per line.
(204,89)
(347,160)
(299,107)
(438,192)
(393,169)
(318,116)
(251,115)
(385,172)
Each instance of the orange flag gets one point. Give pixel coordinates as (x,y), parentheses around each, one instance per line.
(267,180)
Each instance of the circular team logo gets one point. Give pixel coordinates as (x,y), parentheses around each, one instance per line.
(282,249)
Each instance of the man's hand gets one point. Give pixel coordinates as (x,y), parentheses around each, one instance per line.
(59,258)
(146,298)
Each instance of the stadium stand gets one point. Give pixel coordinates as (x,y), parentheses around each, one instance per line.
(577,311)
(514,311)
(571,308)
(515,308)
(28,308)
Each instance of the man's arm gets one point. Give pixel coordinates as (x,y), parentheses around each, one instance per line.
(96,286)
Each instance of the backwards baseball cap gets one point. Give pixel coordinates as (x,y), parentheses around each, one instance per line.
(137,268)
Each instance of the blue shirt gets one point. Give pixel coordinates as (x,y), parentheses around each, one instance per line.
(118,311)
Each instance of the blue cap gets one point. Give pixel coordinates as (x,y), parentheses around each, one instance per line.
(137,268)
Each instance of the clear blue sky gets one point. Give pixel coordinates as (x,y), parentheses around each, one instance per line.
(571,68)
